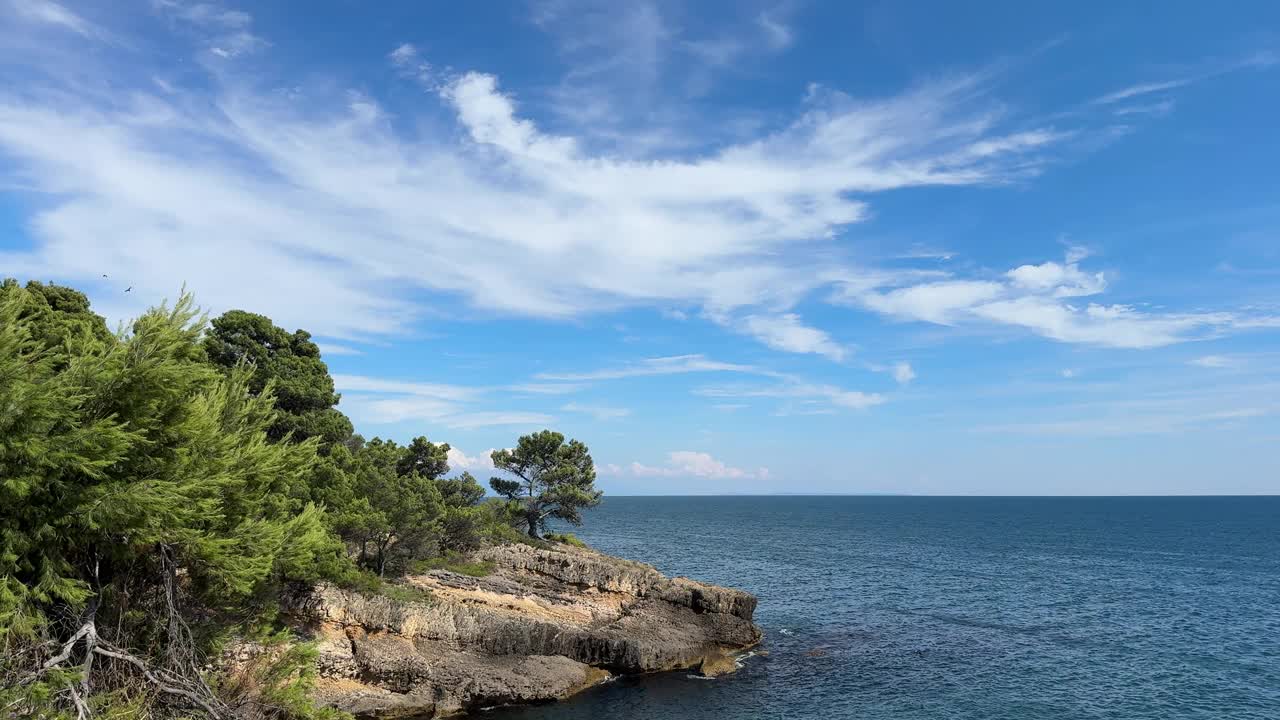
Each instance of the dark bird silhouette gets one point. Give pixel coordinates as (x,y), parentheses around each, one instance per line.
(128,288)
(104,274)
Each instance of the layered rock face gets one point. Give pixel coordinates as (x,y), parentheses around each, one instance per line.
(545,624)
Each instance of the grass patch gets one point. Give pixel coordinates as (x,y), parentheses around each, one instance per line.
(406,593)
(455,562)
(567,539)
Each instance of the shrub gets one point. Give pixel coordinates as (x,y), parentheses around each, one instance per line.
(455,562)
(406,593)
(567,539)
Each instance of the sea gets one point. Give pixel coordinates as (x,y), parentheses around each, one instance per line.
(984,608)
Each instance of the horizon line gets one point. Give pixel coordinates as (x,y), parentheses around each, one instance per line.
(931,495)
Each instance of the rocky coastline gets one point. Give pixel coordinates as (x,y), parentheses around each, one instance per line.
(545,624)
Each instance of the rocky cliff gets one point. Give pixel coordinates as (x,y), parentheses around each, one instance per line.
(546,623)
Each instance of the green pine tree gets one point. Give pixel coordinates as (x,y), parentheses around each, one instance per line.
(138,493)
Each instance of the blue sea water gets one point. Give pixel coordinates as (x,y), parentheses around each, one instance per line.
(901,608)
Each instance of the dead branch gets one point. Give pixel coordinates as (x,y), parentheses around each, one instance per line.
(67,648)
(207,704)
(82,709)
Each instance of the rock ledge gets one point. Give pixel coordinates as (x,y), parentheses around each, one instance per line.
(546,624)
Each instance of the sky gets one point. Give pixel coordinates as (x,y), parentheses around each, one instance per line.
(734,247)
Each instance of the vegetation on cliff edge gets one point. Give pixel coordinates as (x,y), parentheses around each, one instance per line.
(161,486)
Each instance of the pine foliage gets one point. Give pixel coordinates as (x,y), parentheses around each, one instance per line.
(161,486)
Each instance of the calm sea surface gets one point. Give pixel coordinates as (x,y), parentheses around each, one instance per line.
(982,608)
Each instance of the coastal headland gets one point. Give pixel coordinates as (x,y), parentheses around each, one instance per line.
(544,624)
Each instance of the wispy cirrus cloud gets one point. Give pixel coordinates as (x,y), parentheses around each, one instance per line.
(778,35)
(599,412)
(1164,107)
(443,391)
(327,348)
(320,210)
(1142,89)
(1145,403)
(548,388)
(226,32)
(382,401)
(1215,361)
(1132,424)
(671,365)
(789,389)
(317,210)
(1210,69)
(799,394)
(51,13)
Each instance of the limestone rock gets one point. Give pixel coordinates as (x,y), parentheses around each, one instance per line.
(717,663)
(546,624)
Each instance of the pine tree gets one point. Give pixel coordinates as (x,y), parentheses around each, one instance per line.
(138,490)
(290,363)
(556,479)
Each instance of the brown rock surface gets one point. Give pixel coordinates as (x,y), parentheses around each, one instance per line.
(545,624)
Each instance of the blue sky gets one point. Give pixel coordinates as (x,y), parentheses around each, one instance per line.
(1008,248)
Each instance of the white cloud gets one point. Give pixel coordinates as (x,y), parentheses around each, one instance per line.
(828,396)
(777,34)
(338,349)
(903,373)
(472,420)
(1035,297)
(362,383)
(1215,361)
(672,365)
(1057,279)
(1132,423)
(936,302)
(1117,326)
(408,61)
(689,463)
(1076,253)
(617,54)
(547,388)
(459,460)
(46,11)
(236,44)
(226,32)
(790,388)
(1164,107)
(1069,373)
(1142,89)
(206,14)
(405,54)
(320,211)
(317,211)
(786,332)
(382,401)
(373,409)
(1258,60)
(599,412)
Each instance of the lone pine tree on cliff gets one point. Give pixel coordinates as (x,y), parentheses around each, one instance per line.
(556,479)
